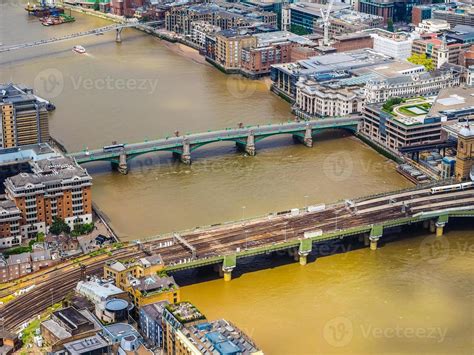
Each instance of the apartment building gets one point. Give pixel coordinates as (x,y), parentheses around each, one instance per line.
(271,48)
(200,30)
(24,117)
(220,335)
(56,187)
(176,317)
(224,15)
(229,45)
(314,100)
(406,125)
(10,218)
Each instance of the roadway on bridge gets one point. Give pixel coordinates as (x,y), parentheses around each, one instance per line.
(228,238)
(235,134)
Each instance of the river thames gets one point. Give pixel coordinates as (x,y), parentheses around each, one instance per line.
(145,89)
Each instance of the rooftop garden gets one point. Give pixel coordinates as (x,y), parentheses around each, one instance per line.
(185,312)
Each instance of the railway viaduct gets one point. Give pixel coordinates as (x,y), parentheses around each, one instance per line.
(245,139)
(297,232)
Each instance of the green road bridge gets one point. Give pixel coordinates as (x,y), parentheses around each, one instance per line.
(245,138)
(297,232)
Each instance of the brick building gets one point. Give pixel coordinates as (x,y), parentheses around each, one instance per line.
(57,187)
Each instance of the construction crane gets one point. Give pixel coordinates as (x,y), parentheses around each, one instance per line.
(326,23)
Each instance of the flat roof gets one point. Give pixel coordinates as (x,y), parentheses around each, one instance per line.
(31,152)
(86,345)
(453,99)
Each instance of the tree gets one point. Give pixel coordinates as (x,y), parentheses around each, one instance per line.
(81,229)
(59,226)
(299,30)
(96,5)
(390,25)
(422,59)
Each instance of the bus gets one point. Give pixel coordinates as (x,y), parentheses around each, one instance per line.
(114,147)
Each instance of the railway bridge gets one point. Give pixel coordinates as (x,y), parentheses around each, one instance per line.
(297,232)
(245,139)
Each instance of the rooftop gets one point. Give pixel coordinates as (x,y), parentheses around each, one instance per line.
(86,345)
(265,39)
(315,9)
(97,290)
(154,310)
(25,153)
(50,170)
(155,284)
(185,312)
(71,317)
(220,337)
(453,99)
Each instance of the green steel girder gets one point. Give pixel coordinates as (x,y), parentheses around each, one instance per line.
(231,258)
(306,245)
(230,261)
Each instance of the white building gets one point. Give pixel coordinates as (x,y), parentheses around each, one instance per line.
(424,84)
(432,26)
(199,30)
(396,45)
(316,100)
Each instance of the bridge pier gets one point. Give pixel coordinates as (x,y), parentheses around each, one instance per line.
(440,228)
(123,166)
(306,245)
(250,146)
(118,35)
(375,234)
(307,139)
(229,264)
(185,155)
(308,136)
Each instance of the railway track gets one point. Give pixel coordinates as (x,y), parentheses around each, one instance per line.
(53,285)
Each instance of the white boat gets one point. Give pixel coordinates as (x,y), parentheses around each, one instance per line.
(79,49)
